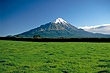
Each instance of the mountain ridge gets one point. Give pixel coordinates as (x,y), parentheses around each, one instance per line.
(59,28)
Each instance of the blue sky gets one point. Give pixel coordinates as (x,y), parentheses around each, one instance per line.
(17,16)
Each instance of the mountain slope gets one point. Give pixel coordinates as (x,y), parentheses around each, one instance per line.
(59,28)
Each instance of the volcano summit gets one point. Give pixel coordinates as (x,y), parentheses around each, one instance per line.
(59,28)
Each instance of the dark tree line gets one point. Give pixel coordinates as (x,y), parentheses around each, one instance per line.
(35,36)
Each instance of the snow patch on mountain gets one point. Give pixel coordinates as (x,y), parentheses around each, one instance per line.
(103,29)
(60,20)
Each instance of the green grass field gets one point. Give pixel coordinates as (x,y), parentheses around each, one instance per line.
(54,57)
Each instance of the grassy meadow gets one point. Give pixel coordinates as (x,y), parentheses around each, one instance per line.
(54,57)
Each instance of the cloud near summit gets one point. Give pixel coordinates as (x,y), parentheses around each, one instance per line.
(103,29)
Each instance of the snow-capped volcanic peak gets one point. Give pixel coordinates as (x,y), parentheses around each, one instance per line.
(60,20)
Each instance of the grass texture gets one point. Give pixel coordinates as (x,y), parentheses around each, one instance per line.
(54,57)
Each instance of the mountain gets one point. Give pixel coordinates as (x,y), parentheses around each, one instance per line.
(104,29)
(59,28)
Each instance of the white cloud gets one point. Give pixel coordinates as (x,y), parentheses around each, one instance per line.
(104,29)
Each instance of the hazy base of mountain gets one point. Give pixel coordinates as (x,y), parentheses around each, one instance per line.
(53,30)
